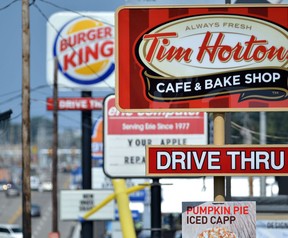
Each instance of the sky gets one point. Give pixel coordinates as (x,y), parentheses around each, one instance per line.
(11,54)
(11,51)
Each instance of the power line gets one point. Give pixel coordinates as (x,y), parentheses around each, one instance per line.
(19,94)
(239,128)
(8,5)
(76,12)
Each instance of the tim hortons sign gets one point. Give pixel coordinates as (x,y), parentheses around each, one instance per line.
(207,161)
(215,58)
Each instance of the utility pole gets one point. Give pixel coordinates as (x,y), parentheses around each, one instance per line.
(26,153)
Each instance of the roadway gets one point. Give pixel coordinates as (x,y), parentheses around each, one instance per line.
(11,211)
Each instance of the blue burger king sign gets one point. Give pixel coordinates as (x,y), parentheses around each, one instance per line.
(84,47)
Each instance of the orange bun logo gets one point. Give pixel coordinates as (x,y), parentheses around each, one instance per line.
(97,138)
(85,50)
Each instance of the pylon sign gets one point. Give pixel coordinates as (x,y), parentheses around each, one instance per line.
(84,47)
(212,58)
(127,134)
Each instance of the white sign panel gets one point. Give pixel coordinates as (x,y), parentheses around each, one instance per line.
(272,228)
(127,134)
(74,204)
(83,44)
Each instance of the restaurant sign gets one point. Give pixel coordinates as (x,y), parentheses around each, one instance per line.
(239,160)
(217,58)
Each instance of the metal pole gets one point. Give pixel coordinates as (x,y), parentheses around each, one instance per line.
(247,137)
(263,142)
(54,152)
(228,141)
(87,226)
(156,220)
(26,153)
(219,139)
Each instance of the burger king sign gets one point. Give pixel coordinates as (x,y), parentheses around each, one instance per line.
(84,47)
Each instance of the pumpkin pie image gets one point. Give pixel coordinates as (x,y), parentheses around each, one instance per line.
(217,232)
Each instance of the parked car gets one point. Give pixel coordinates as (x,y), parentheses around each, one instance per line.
(12,190)
(45,185)
(35,210)
(10,231)
(34,182)
(3,185)
(178,234)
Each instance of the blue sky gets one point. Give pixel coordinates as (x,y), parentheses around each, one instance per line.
(11,52)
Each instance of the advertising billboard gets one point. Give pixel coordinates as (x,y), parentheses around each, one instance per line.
(212,58)
(224,219)
(127,134)
(83,44)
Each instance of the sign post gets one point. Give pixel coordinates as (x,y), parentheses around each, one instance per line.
(87,226)
(219,139)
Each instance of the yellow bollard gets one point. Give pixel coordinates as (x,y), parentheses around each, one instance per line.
(126,220)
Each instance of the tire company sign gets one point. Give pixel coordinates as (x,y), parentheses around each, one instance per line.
(226,160)
(127,134)
(215,58)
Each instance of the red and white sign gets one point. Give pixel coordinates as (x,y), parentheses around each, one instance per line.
(76,104)
(225,160)
(212,58)
(83,44)
(127,134)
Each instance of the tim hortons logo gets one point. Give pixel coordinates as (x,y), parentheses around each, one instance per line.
(206,56)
